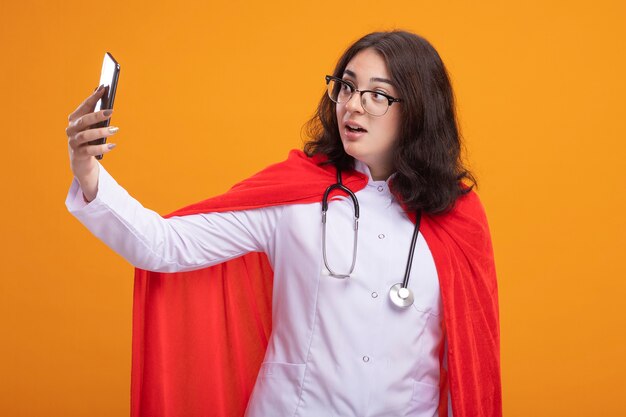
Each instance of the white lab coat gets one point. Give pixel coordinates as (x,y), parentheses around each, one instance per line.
(338,347)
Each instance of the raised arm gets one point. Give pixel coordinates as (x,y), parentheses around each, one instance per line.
(142,236)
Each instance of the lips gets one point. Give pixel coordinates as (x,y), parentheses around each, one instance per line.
(353,131)
(354,127)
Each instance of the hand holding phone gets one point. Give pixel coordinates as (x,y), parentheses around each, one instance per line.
(87,130)
(108,78)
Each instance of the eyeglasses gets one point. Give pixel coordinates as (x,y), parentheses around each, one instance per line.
(375,103)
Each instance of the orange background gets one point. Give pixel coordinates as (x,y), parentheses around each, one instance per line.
(211,92)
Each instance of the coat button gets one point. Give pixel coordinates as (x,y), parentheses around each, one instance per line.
(366,359)
(381,236)
(380,188)
(374,294)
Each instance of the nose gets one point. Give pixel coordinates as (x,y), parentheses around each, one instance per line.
(354,104)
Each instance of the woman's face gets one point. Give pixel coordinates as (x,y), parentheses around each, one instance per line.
(373,146)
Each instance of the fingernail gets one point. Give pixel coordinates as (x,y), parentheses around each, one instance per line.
(111,145)
(107,112)
(114,129)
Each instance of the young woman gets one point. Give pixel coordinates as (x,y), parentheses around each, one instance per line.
(383,298)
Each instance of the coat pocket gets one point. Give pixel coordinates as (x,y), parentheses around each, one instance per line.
(425,400)
(277,389)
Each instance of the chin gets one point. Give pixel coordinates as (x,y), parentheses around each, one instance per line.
(352,149)
(349,148)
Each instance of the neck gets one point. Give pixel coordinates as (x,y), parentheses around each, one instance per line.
(380,173)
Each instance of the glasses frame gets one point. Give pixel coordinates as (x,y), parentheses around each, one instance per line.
(389,98)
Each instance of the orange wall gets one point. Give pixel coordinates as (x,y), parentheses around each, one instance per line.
(212,92)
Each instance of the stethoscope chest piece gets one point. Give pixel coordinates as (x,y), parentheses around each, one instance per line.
(401,296)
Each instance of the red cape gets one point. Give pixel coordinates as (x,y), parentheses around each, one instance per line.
(199,337)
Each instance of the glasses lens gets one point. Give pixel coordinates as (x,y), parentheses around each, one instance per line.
(374,103)
(339,91)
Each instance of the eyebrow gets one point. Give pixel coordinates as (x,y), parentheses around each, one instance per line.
(373,79)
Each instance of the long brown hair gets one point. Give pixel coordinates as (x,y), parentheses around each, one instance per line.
(427,158)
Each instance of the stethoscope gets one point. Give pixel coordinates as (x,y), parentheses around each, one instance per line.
(400,294)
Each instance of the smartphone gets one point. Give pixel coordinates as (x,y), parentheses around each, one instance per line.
(109,77)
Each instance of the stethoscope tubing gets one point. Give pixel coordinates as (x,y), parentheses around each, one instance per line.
(409,263)
(355,201)
(400,294)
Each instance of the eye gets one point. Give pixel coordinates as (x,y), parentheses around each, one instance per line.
(347,87)
(378,97)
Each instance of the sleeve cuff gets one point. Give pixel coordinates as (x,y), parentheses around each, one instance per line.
(75,200)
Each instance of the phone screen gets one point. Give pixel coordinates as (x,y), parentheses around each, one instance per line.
(108,78)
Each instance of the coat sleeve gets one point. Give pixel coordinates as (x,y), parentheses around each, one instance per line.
(148,241)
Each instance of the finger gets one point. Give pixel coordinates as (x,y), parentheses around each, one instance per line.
(93,150)
(86,120)
(88,104)
(91,134)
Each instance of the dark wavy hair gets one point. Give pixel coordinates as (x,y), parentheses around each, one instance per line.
(427,157)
